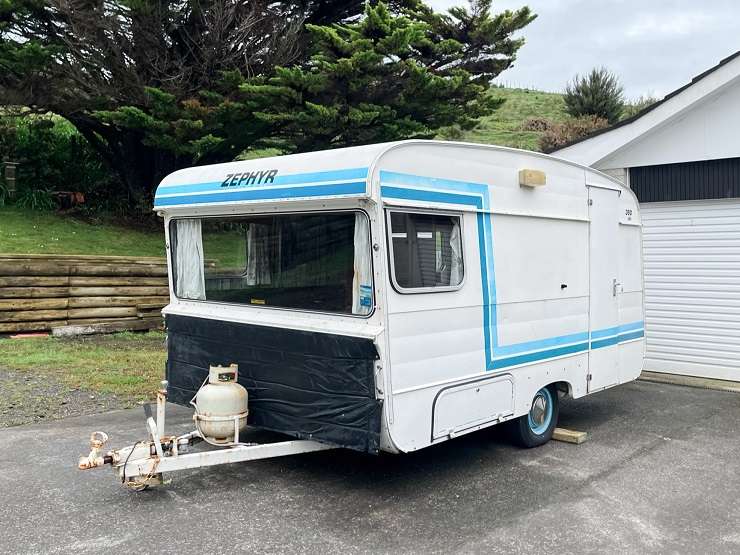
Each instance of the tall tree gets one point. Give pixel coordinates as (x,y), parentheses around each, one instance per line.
(387,77)
(155,85)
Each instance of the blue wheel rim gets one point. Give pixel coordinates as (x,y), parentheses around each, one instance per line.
(543,395)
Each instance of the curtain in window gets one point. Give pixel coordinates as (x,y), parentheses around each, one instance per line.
(362,290)
(191,282)
(456,265)
(258,255)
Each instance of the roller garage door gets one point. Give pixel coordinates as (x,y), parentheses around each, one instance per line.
(692,287)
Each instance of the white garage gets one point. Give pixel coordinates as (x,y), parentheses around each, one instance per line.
(681,156)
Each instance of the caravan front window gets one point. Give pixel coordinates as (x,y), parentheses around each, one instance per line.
(310,261)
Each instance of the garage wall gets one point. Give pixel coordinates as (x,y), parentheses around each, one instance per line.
(709,179)
(692,287)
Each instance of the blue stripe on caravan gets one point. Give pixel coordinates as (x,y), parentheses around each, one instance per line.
(430,196)
(541,343)
(631,335)
(486,295)
(622,337)
(605,342)
(606,332)
(290,179)
(631,326)
(395,178)
(540,355)
(357,187)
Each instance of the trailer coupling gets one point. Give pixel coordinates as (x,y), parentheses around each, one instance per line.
(144,463)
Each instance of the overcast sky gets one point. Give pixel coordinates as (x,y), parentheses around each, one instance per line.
(655,46)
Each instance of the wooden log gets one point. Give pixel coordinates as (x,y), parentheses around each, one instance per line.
(144,305)
(33,304)
(33,315)
(22,268)
(105,327)
(12,327)
(104,312)
(50,268)
(118,291)
(33,292)
(86,257)
(149,313)
(64,314)
(149,270)
(34,281)
(80,281)
(14,286)
(84,302)
(75,321)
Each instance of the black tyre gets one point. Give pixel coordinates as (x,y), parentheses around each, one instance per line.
(535,428)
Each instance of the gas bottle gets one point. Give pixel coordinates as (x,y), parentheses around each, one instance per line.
(221,406)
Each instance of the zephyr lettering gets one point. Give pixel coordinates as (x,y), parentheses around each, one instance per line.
(257,177)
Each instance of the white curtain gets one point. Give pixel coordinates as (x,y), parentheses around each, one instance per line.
(362,282)
(191,283)
(456,267)
(258,255)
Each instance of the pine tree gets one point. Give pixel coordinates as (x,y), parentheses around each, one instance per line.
(388,77)
(596,94)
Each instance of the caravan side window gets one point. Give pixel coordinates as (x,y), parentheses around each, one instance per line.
(426,251)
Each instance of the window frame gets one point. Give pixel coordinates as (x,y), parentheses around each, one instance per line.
(172,249)
(391,255)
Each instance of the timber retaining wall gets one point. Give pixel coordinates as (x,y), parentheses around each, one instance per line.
(41,291)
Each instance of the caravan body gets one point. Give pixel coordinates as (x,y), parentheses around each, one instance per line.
(392,296)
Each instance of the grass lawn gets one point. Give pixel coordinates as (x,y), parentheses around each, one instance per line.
(504,127)
(126,364)
(29,232)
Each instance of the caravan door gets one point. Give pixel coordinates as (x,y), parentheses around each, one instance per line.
(603,360)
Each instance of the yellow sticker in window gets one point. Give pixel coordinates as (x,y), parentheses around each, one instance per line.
(257,301)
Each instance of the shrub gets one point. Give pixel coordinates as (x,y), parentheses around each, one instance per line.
(570,130)
(596,94)
(638,105)
(52,156)
(537,124)
(35,199)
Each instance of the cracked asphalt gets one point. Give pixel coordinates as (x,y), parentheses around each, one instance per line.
(660,474)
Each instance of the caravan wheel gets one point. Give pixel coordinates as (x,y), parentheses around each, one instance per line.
(536,427)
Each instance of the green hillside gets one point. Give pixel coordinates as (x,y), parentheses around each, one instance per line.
(504,127)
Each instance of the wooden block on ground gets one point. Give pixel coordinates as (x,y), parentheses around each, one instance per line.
(569,436)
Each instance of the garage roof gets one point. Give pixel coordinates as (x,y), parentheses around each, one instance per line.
(592,148)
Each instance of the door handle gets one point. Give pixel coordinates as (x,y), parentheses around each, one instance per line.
(615,284)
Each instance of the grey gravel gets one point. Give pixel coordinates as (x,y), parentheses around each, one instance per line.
(27,397)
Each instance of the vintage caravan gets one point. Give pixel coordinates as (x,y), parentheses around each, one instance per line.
(393,296)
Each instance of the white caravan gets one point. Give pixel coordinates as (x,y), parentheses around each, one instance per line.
(393,296)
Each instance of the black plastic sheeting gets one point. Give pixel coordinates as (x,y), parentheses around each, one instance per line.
(304,384)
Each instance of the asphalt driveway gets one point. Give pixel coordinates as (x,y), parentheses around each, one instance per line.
(661,473)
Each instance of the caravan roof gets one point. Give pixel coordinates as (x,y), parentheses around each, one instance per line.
(338,173)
